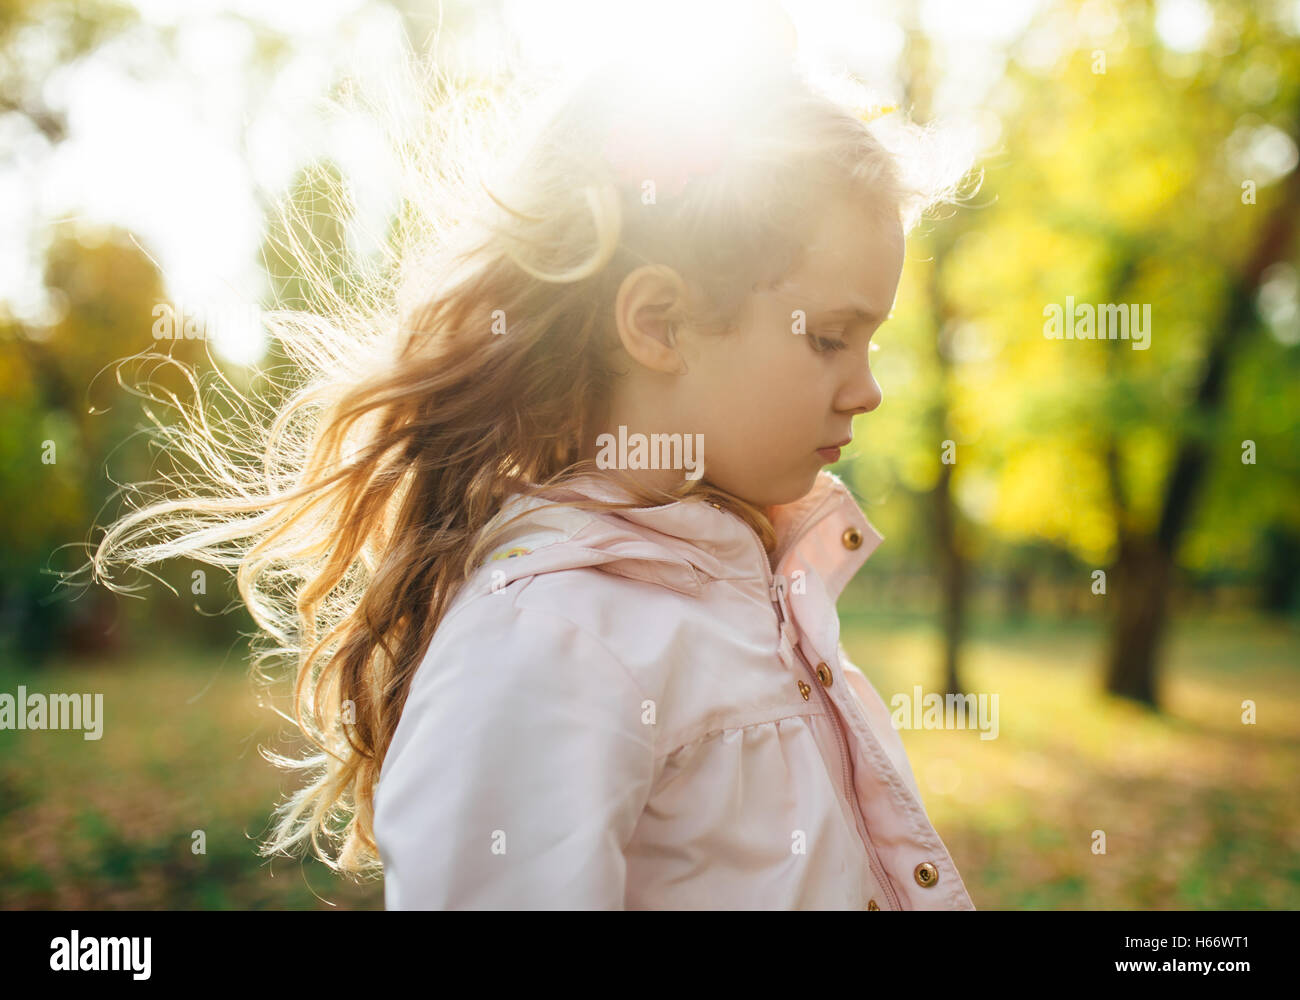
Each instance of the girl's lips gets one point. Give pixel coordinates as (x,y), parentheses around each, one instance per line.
(829,454)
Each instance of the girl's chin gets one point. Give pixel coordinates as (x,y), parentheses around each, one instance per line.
(776,489)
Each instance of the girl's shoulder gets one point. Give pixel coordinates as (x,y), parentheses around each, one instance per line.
(626,606)
(563,580)
(565,557)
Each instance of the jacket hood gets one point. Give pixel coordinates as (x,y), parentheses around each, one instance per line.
(686,544)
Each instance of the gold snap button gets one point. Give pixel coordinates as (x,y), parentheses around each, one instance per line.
(852,538)
(824,674)
(872,905)
(926,874)
(804,689)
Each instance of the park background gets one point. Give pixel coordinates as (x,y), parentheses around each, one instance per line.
(1131,152)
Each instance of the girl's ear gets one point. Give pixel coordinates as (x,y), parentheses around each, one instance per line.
(647,312)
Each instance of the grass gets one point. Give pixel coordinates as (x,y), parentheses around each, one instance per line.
(1199,811)
(166,809)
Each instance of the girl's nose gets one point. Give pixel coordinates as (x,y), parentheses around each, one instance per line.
(862,393)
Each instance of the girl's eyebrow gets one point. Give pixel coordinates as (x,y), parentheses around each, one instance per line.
(866,316)
(856,309)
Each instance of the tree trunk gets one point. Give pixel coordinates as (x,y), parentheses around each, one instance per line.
(1015,595)
(1140,588)
(953,580)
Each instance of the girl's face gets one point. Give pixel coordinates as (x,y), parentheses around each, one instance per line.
(764,398)
(788,382)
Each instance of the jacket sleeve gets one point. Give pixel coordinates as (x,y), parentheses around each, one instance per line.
(518,771)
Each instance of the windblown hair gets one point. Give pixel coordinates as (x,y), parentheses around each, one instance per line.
(352,503)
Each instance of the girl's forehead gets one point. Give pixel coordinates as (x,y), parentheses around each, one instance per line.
(854,272)
(850,230)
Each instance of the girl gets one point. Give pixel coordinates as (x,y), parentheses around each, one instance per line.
(550,544)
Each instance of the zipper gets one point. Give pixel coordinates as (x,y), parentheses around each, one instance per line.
(877,868)
(776,584)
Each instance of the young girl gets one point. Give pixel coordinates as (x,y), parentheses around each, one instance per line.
(552,548)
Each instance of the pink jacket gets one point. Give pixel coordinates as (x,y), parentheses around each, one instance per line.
(631,710)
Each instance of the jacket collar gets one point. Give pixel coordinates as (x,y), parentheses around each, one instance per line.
(685,544)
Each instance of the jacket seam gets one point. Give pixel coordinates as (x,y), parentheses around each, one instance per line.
(747,725)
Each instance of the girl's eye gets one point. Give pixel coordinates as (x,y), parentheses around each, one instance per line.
(824,344)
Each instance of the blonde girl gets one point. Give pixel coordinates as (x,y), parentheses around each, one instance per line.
(544,660)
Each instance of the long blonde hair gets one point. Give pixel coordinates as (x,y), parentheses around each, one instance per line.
(351,504)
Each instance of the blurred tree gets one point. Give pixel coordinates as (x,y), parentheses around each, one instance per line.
(1125,185)
(38,36)
(1280,582)
(1118,178)
(919,76)
(68,431)
(62,420)
(1146,561)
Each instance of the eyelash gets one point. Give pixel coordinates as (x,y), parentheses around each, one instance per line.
(833,345)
